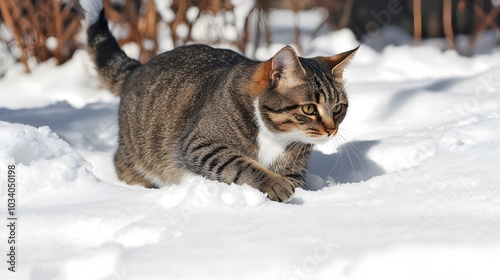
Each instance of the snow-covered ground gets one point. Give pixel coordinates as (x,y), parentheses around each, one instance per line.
(410,189)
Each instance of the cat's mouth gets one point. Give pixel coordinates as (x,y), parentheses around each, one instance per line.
(316,139)
(304,137)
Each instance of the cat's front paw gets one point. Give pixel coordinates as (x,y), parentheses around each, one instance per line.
(279,190)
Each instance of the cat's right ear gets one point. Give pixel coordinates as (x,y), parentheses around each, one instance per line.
(282,71)
(286,68)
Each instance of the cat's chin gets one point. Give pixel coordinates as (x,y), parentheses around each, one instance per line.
(316,140)
(298,136)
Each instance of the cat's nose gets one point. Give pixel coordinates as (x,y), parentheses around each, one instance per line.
(330,127)
(330,131)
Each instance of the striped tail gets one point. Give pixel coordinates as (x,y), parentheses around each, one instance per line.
(113,65)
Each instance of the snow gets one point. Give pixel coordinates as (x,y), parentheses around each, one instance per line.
(410,189)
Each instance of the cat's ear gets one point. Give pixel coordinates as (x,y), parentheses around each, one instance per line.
(339,61)
(286,68)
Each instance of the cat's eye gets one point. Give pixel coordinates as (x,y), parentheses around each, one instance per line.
(309,109)
(337,108)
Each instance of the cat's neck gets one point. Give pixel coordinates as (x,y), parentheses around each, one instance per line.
(271,145)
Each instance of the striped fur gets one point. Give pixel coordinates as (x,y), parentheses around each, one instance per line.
(215,113)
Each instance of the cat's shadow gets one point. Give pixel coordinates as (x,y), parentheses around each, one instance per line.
(350,164)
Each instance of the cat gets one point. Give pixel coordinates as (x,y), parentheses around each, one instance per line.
(213,112)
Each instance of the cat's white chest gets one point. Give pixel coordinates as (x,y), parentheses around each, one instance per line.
(270,148)
(271,145)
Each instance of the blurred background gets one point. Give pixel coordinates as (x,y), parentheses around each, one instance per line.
(32,31)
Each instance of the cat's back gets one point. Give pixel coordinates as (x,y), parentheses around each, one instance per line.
(198,58)
(191,66)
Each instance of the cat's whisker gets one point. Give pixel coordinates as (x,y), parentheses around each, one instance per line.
(294,144)
(355,150)
(338,159)
(347,131)
(339,155)
(301,150)
(350,160)
(352,148)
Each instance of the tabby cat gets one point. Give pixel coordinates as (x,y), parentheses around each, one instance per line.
(215,113)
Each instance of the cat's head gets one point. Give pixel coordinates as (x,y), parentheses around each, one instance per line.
(302,97)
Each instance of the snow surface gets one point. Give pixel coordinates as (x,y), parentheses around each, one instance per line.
(410,189)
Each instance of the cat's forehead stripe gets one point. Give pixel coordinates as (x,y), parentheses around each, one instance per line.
(333,91)
(317,96)
(321,89)
(326,88)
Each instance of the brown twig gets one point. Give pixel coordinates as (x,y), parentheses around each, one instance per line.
(417,21)
(58,30)
(486,20)
(346,14)
(9,21)
(447,23)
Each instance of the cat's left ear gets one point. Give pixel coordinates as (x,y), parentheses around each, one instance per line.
(339,61)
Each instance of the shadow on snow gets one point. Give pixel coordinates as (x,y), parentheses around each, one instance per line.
(350,164)
(93,127)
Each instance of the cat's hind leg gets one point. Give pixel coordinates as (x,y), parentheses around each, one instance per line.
(127,172)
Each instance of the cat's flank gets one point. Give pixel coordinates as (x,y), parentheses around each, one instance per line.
(215,113)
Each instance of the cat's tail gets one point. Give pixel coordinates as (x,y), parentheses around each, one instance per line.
(113,65)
